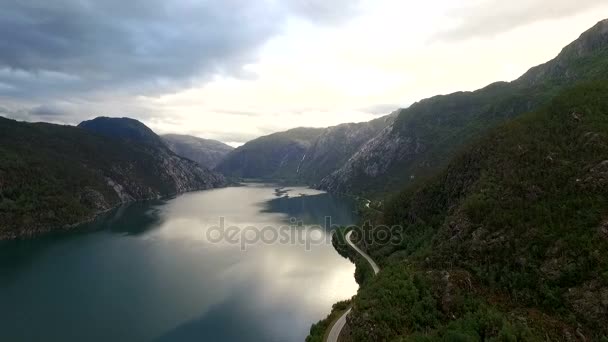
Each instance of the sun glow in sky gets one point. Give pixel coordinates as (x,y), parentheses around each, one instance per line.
(286,63)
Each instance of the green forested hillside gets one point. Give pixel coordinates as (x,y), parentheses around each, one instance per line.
(52,176)
(122,128)
(509,242)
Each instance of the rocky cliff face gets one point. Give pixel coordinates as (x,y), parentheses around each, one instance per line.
(167,174)
(302,154)
(207,153)
(373,159)
(275,156)
(53,177)
(174,174)
(333,148)
(183,175)
(566,67)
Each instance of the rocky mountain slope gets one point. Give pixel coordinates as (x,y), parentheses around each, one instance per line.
(509,242)
(206,152)
(336,145)
(302,154)
(425,136)
(275,156)
(53,176)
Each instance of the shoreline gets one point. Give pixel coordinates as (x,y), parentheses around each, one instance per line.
(39,232)
(337,326)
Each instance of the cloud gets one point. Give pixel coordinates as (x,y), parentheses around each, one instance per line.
(47,111)
(38,113)
(323,11)
(51,49)
(14,113)
(5,111)
(382,109)
(492,17)
(237,69)
(236,138)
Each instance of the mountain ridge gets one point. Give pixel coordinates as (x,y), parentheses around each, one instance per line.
(422,138)
(53,177)
(274,156)
(207,152)
(508,241)
(426,135)
(122,128)
(303,154)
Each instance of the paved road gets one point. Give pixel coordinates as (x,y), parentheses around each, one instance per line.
(335,331)
(363,254)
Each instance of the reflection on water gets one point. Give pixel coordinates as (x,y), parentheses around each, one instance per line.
(147,272)
(312,209)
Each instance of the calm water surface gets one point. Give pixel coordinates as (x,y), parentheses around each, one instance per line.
(148,272)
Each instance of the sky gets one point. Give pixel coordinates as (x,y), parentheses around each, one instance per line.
(234,70)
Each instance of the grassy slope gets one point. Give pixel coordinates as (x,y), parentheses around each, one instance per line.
(509,242)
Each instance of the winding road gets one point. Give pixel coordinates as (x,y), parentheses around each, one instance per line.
(336,329)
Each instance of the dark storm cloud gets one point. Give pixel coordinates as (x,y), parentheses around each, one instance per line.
(63,48)
(139,46)
(496,16)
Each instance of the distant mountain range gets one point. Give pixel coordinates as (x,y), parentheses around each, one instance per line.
(52,176)
(413,144)
(276,156)
(206,152)
(301,154)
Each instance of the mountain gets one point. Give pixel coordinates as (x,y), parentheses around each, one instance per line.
(52,176)
(330,150)
(426,135)
(413,144)
(509,242)
(122,128)
(302,154)
(275,156)
(207,153)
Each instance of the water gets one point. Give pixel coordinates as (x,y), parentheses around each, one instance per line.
(150,272)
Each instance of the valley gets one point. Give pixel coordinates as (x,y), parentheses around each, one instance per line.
(471,216)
